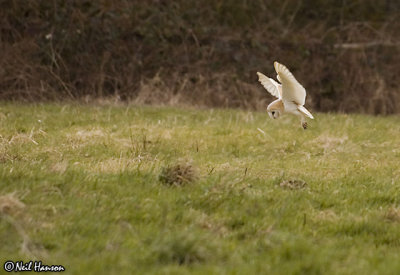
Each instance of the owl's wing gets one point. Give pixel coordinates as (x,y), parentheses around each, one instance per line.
(273,87)
(292,90)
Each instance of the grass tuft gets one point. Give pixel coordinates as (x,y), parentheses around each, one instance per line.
(293,184)
(178,174)
(183,248)
(392,215)
(10,205)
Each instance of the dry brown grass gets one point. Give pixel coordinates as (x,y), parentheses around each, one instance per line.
(201,53)
(13,211)
(178,174)
(293,184)
(392,214)
(10,205)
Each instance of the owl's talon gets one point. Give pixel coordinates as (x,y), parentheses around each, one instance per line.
(304,124)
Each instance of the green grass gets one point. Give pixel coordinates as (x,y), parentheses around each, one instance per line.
(89,179)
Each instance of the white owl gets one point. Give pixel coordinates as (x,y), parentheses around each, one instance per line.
(291,94)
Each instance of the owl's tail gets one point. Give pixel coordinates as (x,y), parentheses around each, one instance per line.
(304,111)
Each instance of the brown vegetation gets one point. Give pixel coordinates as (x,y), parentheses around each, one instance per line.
(178,174)
(346,53)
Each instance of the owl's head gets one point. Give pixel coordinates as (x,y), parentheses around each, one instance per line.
(274,113)
(275,109)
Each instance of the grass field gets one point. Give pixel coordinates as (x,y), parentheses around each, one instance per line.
(80,187)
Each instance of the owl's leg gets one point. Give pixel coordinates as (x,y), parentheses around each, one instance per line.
(304,122)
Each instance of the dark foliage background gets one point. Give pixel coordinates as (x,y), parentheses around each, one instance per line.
(206,53)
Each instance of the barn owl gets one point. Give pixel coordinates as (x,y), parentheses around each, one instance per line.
(291,94)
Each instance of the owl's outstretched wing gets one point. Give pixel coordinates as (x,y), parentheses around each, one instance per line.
(292,90)
(273,87)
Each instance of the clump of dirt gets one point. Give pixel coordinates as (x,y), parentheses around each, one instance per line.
(177,174)
(293,184)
